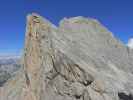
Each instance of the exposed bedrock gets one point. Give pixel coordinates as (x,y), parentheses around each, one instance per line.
(79,60)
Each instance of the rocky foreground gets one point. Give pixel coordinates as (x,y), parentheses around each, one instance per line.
(79,60)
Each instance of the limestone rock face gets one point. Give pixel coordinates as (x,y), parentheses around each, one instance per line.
(79,60)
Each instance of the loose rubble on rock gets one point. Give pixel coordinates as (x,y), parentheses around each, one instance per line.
(79,60)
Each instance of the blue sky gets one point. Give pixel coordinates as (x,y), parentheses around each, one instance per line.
(116,15)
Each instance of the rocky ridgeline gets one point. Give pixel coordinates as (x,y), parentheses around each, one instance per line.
(79,60)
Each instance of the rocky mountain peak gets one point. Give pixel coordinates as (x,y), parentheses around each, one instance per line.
(79,60)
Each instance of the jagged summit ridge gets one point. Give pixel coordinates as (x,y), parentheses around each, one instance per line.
(79,60)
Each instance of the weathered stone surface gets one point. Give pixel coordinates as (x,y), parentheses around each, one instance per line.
(79,60)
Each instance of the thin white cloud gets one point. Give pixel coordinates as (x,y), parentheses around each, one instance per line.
(130,43)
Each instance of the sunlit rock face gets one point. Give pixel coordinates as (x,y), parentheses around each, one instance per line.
(79,60)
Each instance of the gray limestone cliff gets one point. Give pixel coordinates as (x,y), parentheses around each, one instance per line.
(79,60)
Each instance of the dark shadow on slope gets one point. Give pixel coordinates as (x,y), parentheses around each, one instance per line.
(123,96)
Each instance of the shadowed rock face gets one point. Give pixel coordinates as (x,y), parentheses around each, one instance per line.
(79,60)
(124,96)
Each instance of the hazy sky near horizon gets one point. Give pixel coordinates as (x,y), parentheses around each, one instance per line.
(116,15)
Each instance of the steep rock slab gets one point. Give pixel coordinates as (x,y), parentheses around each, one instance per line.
(79,60)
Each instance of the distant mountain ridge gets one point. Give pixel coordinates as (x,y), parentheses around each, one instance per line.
(8,66)
(7,56)
(8,59)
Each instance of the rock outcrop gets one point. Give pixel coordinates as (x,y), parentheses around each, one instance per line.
(79,60)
